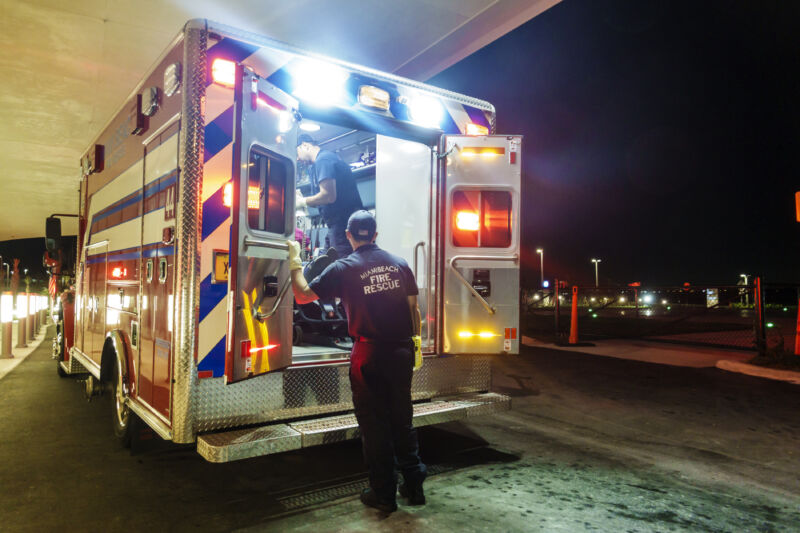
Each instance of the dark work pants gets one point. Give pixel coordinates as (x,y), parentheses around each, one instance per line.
(336,234)
(380,377)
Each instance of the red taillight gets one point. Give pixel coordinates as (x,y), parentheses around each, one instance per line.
(468,221)
(245,349)
(223,72)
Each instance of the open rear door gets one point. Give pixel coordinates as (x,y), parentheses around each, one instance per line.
(260,317)
(480,203)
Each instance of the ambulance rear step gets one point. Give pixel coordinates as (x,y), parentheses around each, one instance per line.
(276,438)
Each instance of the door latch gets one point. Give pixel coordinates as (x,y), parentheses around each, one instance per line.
(270,289)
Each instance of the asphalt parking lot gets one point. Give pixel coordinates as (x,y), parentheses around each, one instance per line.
(591,444)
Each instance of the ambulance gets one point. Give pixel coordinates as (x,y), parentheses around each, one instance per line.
(183,310)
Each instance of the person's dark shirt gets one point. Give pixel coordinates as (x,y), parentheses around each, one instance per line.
(374,286)
(328,165)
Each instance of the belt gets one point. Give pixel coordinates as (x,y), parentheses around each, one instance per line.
(368,340)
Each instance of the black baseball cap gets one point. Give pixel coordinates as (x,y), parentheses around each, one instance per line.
(362,225)
(306,138)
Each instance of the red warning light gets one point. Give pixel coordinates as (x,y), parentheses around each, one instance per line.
(119,272)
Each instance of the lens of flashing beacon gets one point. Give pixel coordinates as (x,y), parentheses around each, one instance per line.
(545,284)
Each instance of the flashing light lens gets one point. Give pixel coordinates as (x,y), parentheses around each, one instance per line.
(464,334)
(373,97)
(309,126)
(259,348)
(253,198)
(486,152)
(770,325)
(476,129)
(468,221)
(622,300)
(648,299)
(227,195)
(223,72)
(426,111)
(546,284)
(119,272)
(319,83)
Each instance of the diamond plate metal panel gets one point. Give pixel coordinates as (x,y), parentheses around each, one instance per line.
(438,413)
(245,443)
(187,239)
(309,391)
(327,430)
(485,404)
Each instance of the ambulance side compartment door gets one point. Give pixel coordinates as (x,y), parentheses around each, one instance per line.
(480,231)
(259,337)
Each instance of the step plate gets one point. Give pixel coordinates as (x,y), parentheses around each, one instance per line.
(264,440)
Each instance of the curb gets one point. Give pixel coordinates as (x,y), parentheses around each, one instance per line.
(788,376)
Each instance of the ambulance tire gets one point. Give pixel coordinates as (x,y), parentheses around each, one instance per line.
(58,348)
(121,415)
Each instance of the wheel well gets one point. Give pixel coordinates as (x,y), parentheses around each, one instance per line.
(107,362)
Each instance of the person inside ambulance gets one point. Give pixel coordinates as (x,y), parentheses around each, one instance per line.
(338,196)
(379,294)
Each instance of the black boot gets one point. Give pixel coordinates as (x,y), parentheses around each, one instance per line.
(415,494)
(368,497)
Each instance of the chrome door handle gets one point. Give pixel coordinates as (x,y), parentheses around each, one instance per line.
(420,244)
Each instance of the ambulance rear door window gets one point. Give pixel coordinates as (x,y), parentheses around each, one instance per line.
(266,193)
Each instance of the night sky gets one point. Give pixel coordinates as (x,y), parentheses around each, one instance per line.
(660,137)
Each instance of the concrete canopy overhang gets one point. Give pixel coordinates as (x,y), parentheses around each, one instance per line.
(67,66)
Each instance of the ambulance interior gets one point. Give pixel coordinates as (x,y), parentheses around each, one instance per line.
(393,177)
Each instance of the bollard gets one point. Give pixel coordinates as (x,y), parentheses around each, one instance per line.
(22,326)
(557,309)
(31,304)
(573,323)
(6,323)
(797,332)
(760,329)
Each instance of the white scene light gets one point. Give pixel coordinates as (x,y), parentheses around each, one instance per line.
(319,83)
(426,111)
(309,126)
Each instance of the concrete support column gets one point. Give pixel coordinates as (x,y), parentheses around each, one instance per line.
(5,339)
(22,333)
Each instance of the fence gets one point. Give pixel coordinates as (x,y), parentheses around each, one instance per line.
(722,315)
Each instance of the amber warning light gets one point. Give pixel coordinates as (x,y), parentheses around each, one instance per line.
(797,205)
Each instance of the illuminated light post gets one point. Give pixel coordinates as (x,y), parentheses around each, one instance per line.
(746,291)
(596,278)
(540,251)
(6,322)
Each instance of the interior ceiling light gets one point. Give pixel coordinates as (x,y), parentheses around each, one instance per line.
(309,126)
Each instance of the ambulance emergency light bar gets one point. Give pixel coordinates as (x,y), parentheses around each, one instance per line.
(325,85)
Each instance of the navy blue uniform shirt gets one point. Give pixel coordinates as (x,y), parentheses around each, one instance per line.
(328,166)
(374,286)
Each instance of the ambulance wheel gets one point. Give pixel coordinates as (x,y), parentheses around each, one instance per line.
(120,413)
(60,370)
(297,338)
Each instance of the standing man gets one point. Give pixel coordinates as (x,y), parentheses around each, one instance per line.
(379,293)
(338,196)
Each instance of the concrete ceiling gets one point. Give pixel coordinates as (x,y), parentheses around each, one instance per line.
(67,66)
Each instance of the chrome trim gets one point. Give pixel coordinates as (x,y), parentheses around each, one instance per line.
(187,233)
(486,305)
(264,316)
(249,241)
(96,245)
(417,247)
(90,366)
(150,419)
(162,128)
